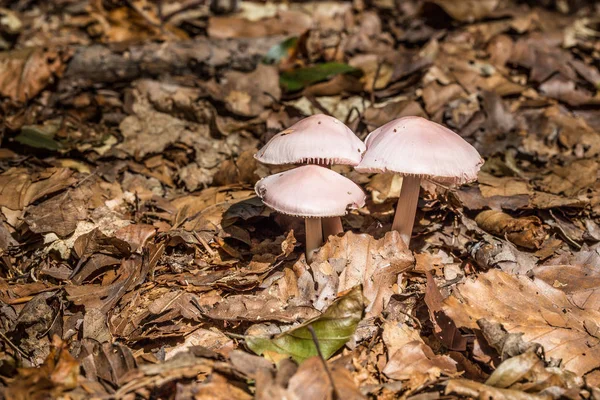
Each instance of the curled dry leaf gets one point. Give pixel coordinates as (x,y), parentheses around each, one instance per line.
(526,231)
(542,313)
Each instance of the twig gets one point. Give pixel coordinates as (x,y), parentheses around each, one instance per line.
(14,346)
(334,392)
(317,105)
(377,72)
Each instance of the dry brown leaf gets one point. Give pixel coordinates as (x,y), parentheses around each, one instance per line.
(60,214)
(542,313)
(495,253)
(107,361)
(501,186)
(58,374)
(248,94)
(311,381)
(19,188)
(444,328)
(258,308)
(468,10)
(570,179)
(415,361)
(359,259)
(472,389)
(409,358)
(24,73)
(526,231)
(580,282)
(284,23)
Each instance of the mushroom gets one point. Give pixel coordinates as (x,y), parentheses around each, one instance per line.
(318,139)
(313,193)
(418,149)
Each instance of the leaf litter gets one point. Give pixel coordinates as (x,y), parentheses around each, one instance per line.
(136,262)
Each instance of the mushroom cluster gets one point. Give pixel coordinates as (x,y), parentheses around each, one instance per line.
(313,192)
(411,146)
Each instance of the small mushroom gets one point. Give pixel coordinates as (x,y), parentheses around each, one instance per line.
(418,149)
(311,192)
(318,139)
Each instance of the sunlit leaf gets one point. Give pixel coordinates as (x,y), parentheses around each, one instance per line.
(333,329)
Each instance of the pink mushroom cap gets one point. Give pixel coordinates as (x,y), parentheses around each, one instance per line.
(310,191)
(415,146)
(315,139)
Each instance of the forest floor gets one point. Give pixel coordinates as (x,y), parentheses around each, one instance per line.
(137,262)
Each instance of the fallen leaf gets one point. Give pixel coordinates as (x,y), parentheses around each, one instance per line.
(56,375)
(416,361)
(19,188)
(359,259)
(332,329)
(542,313)
(284,23)
(444,328)
(570,179)
(525,231)
(581,282)
(312,381)
(26,72)
(248,94)
(468,10)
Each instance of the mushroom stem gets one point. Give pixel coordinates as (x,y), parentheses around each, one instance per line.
(332,226)
(314,236)
(407,207)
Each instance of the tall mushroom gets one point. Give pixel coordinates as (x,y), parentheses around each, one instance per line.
(418,149)
(313,193)
(318,139)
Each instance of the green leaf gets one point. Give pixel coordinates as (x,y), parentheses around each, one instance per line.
(40,136)
(333,329)
(301,77)
(280,51)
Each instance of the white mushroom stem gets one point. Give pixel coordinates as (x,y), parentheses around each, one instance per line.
(406,209)
(332,226)
(314,236)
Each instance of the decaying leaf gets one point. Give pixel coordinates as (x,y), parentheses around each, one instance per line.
(25,73)
(409,358)
(359,259)
(332,329)
(56,375)
(542,313)
(18,188)
(468,10)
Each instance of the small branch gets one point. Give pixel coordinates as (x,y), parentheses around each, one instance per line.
(335,394)
(14,346)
